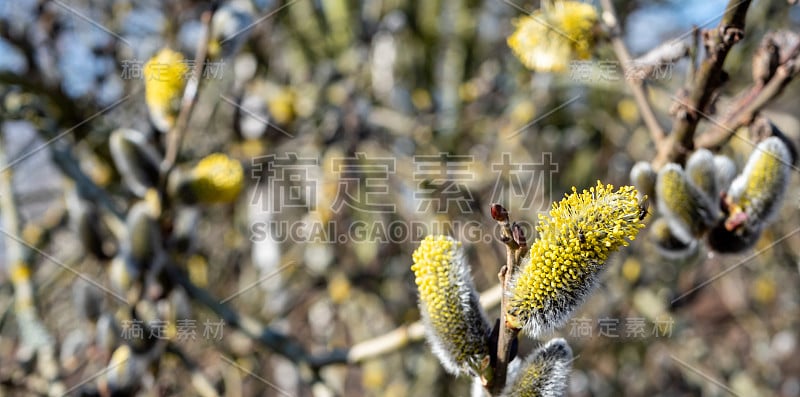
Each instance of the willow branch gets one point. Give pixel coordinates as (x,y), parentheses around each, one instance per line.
(745,110)
(402,336)
(635,85)
(516,247)
(708,79)
(190,92)
(276,341)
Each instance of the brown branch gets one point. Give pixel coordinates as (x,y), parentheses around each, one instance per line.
(635,85)
(760,94)
(278,342)
(694,51)
(291,349)
(708,79)
(66,161)
(514,239)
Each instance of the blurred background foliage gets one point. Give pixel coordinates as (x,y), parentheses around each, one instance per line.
(389,79)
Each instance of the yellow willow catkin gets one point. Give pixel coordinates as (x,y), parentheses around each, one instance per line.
(760,187)
(217,178)
(165,77)
(572,248)
(543,374)
(754,197)
(689,211)
(548,39)
(455,324)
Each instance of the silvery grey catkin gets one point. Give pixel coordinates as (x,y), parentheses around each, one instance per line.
(543,373)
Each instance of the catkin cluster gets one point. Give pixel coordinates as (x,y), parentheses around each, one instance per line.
(139,250)
(708,200)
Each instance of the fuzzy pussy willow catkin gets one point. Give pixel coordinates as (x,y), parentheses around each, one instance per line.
(573,245)
(455,324)
(760,187)
(217,179)
(688,209)
(548,39)
(543,374)
(754,197)
(165,77)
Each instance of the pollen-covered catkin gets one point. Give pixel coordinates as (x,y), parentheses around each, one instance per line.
(758,190)
(165,77)
(217,178)
(574,244)
(688,210)
(754,197)
(543,373)
(548,39)
(455,324)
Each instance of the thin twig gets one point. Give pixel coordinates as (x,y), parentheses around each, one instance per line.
(276,341)
(636,85)
(190,93)
(291,349)
(404,335)
(694,51)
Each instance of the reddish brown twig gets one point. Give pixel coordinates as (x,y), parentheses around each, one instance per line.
(745,109)
(513,237)
(708,79)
